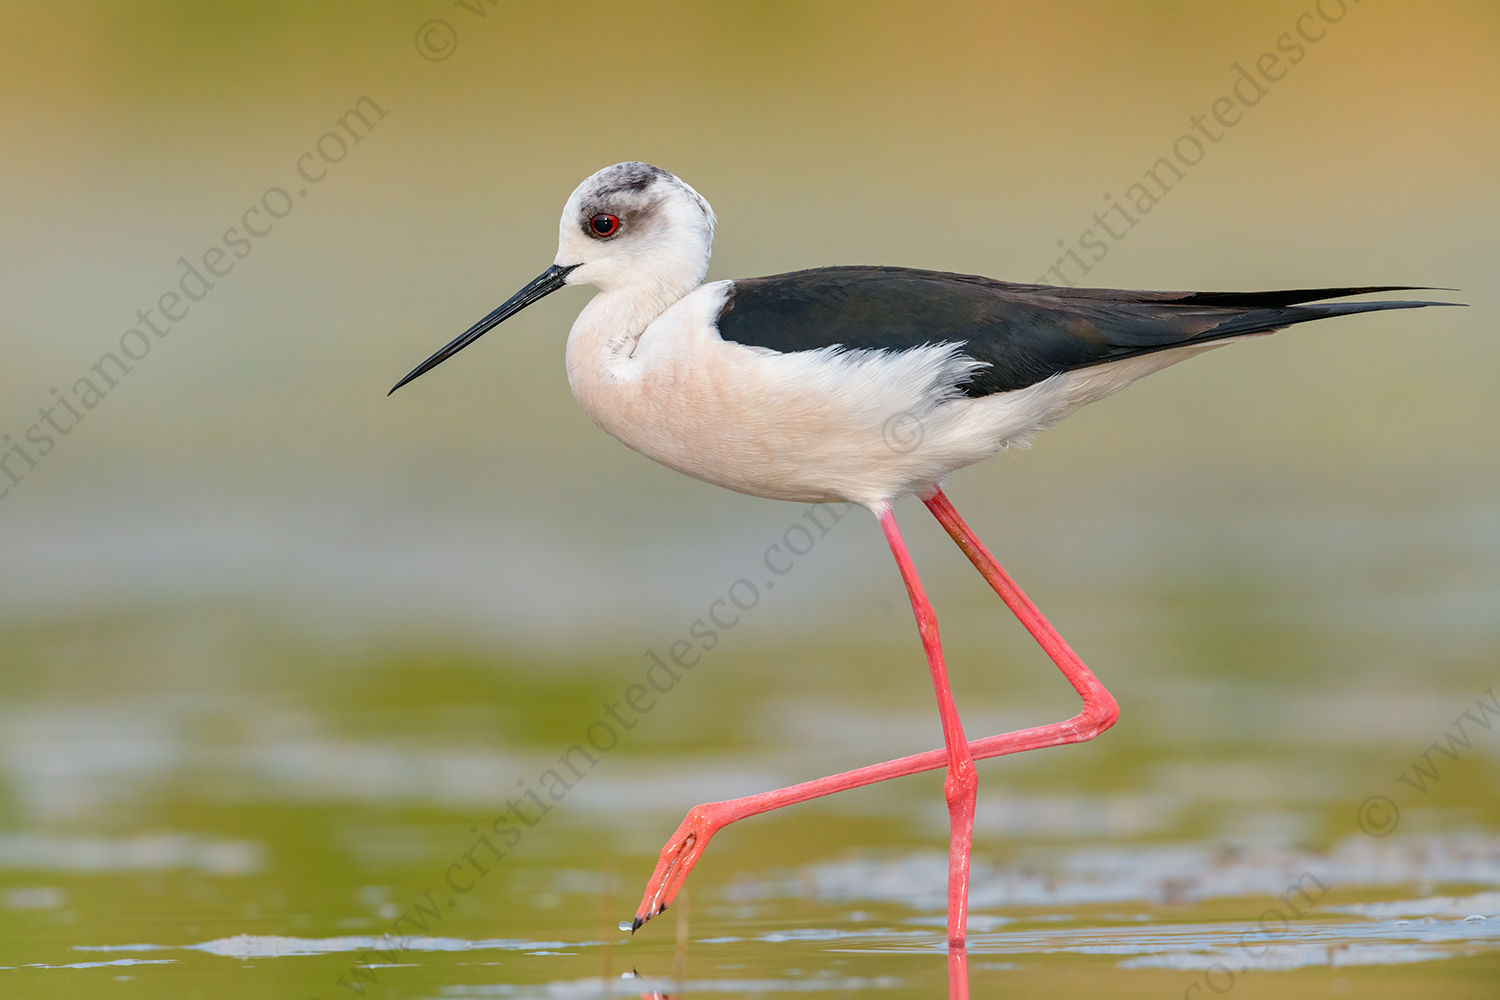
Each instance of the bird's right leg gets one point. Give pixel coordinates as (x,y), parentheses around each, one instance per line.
(1099,713)
(1100,709)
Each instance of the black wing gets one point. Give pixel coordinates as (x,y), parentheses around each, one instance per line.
(1024,333)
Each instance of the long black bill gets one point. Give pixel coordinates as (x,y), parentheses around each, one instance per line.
(542,285)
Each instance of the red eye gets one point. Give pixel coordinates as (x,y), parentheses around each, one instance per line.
(604,224)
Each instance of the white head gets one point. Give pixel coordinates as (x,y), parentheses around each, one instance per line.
(633,224)
(629,226)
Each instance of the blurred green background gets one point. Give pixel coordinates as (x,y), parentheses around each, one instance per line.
(272,642)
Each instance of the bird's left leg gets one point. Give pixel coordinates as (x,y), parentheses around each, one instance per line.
(703,821)
(962,784)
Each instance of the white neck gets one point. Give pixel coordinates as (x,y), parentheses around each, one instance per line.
(605,335)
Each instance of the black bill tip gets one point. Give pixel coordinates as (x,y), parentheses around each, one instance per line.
(542,285)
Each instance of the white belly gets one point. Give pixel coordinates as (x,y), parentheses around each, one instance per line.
(809,427)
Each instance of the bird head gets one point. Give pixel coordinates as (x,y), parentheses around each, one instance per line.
(635,224)
(631,225)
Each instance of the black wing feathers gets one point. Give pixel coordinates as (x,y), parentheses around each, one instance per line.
(1024,333)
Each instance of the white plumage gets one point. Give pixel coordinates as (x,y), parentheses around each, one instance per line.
(647,364)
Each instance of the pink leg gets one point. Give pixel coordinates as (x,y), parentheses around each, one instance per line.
(962,783)
(1099,707)
(1098,714)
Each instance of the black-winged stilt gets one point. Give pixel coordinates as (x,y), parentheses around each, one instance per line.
(857,384)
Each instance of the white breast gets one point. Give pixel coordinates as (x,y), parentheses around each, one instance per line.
(814,426)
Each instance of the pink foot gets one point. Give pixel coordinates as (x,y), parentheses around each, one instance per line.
(677,859)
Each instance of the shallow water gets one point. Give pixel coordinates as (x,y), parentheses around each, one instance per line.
(272,814)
